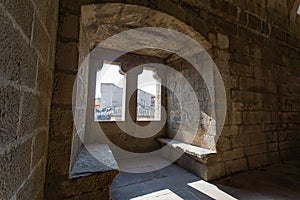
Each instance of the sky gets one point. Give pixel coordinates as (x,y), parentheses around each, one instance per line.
(110,74)
(298,10)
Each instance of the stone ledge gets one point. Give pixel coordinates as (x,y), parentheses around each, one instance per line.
(196,152)
(96,158)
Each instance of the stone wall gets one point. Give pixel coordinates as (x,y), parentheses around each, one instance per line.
(257,53)
(177,115)
(28,38)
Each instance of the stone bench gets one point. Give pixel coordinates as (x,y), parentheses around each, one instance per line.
(193,158)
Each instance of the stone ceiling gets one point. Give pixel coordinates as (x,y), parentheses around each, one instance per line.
(102,21)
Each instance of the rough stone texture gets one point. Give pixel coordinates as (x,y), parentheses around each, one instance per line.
(255,44)
(13,173)
(18,60)
(22,12)
(9,107)
(93,159)
(257,54)
(26,79)
(180,105)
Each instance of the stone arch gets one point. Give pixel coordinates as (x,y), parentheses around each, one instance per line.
(100,21)
(61,133)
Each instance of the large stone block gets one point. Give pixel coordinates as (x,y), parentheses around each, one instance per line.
(39,147)
(42,7)
(234,166)
(254,22)
(223,144)
(222,41)
(230,130)
(257,161)
(272,147)
(224,26)
(255,51)
(61,122)
(133,17)
(59,153)
(9,112)
(18,61)
(41,40)
(63,88)
(257,138)
(30,114)
(73,6)
(241,69)
(14,168)
(34,184)
(22,11)
(104,194)
(108,13)
(234,154)
(251,117)
(67,56)
(225,7)
(240,140)
(43,111)
(216,171)
(45,76)
(172,8)
(250,84)
(256,149)
(240,46)
(69,27)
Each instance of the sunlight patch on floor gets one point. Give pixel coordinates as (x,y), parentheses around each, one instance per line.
(210,190)
(159,195)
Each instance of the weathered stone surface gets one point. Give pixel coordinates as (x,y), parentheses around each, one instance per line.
(69,28)
(257,161)
(61,122)
(40,40)
(132,17)
(9,112)
(262,95)
(93,159)
(34,185)
(17,59)
(44,83)
(104,194)
(59,147)
(234,154)
(30,115)
(14,168)
(222,41)
(39,148)
(22,11)
(42,8)
(235,166)
(66,52)
(63,88)
(25,96)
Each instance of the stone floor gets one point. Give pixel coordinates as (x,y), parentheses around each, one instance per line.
(281,181)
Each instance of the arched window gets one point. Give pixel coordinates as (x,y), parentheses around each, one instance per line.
(149,96)
(110,93)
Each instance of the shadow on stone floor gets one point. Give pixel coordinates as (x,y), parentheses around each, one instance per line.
(280,181)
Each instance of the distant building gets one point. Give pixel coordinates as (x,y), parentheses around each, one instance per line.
(111,95)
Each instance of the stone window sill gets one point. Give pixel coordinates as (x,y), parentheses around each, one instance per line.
(92,159)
